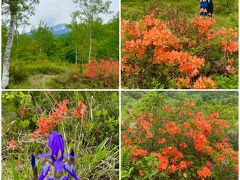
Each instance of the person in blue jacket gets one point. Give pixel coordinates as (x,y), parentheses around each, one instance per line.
(206,8)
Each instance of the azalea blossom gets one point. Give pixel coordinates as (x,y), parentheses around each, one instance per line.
(12,144)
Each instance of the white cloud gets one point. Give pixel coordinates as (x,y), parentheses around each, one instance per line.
(54,12)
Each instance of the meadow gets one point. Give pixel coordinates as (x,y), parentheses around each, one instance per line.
(87,121)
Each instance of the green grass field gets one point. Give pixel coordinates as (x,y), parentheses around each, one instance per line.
(49,74)
(225,11)
(40,74)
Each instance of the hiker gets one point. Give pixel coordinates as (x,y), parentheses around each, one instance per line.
(206,8)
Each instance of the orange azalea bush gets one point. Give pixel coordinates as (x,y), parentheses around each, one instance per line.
(102,69)
(102,72)
(45,125)
(165,54)
(181,143)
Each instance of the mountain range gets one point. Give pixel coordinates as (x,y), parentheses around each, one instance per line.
(60,29)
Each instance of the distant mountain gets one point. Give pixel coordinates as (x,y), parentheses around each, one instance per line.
(60,29)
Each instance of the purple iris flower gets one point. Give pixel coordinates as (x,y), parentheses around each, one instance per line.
(57,158)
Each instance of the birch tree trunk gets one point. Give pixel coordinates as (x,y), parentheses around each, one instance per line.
(7,55)
(90,45)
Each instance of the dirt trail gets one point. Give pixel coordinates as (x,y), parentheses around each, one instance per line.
(40,81)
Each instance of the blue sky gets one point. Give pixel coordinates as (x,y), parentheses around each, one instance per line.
(54,12)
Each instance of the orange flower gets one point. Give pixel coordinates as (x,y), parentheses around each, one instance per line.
(34,135)
(11,144)
(189,163)
(143,124)
(172,169)
(162,163)
(231,47)
(183,145)
(221,159)
(167,108)
(219,146)
(138,140)
(133,159)
(230,69)
(204,172)
(126,140)
(236,169)
(79,111)
(209,164)
(203,24)
(140,172)
(45,125)
(191,103)
(163,140)
(186,125)
(204,126)
(129,130)
(139,152)
(204,83)
(182,165)
(171,151)
(150,114)
(172,128)
(149,135)
(199,141)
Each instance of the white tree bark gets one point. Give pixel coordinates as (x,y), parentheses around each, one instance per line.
(90,45)
(7,55)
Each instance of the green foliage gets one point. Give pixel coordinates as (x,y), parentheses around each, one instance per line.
(27,75)
(226,82)
(90,10)
(226,103)
(43,40)
(22,8)
(133,9)
(126,168)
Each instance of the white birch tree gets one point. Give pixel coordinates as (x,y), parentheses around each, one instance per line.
(89,11)
(18,10)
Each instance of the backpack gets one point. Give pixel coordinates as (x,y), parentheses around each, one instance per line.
(204,4)
(206,7)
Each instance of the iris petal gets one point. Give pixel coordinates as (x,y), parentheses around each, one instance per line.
(33,161)
(70,169)
(45,156)
(34,168)
(58,166)
(65,178)
(44,171)
(56,144)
